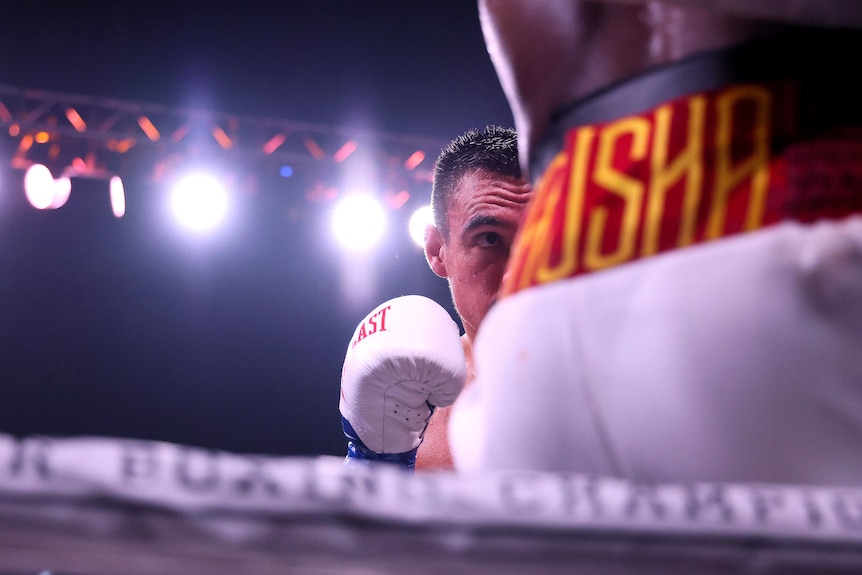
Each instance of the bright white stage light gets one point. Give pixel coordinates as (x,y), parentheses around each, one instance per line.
(358,222)
(199,202)
(62,190)
(417,224)
(118,197)
(43,191)
(39,186)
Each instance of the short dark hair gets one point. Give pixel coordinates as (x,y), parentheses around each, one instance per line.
(494,149)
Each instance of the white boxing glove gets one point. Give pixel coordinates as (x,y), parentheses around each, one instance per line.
(404,359)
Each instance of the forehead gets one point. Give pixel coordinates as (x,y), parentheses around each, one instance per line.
(485,193)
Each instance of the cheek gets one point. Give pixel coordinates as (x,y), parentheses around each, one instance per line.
(485,273)
(494,272)
(477,280)
(486,287)
(474,287)
(473,291)
(493,277)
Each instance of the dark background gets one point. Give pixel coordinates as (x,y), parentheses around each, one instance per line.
(127,327)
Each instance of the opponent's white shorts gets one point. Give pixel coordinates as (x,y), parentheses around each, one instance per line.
(735,360)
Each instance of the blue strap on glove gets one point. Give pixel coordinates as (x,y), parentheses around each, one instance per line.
(357,452)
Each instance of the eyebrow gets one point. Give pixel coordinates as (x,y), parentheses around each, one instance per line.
(480,221)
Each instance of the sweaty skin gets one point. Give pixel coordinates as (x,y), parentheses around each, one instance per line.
(484,214)
(549,54)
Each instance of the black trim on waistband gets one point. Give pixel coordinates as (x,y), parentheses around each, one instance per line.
(825,62)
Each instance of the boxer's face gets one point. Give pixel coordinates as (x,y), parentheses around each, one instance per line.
(484,213)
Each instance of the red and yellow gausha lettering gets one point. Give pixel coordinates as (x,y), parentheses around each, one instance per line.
(695,169)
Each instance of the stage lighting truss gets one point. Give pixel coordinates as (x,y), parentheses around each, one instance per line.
(57,129)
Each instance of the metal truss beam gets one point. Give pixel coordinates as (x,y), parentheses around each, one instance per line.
(112,128)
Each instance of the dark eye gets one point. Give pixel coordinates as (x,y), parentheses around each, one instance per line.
(488,240)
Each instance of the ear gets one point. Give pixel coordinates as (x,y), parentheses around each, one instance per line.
(435,251)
